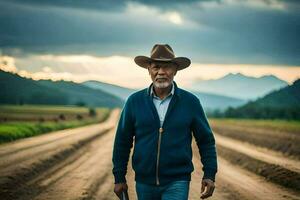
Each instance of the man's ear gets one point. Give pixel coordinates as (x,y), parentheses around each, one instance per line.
(148,67)
(175,71)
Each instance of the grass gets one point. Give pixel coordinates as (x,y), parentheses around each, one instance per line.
(41,108)
(13,130)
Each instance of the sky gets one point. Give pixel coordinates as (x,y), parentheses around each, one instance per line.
(98,40)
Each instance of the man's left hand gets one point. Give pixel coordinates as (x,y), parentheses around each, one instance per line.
(209,186)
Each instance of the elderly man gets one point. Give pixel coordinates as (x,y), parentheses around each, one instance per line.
(162,120)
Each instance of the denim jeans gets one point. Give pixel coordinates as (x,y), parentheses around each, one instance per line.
(177,190)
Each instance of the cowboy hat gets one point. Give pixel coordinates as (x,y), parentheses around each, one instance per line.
(162,53)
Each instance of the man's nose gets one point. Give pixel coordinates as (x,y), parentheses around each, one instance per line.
(161,70)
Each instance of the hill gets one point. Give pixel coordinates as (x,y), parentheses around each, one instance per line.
(282,103)
(18,90)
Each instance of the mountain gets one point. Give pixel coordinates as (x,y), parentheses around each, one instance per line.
(282,103)
(212,102)
(209,101)
(121,92)
(19,90)
(240,86)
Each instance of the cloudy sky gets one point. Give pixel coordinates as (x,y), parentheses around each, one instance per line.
(98,39)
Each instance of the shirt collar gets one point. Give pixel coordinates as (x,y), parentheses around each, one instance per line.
(153,93)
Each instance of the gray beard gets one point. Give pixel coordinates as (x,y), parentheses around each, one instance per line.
(162,85)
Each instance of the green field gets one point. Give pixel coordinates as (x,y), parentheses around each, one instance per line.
(26,121)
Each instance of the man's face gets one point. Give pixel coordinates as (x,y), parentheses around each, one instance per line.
(162,73)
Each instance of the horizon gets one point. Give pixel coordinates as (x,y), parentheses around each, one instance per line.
(28,76)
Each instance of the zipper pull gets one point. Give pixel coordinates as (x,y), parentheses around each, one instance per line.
(161,130)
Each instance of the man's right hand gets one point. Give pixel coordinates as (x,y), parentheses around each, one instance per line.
(119,187)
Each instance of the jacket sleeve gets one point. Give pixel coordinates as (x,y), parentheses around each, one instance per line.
(122,144)
(205,141)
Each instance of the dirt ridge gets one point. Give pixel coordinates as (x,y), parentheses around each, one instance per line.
(271,172)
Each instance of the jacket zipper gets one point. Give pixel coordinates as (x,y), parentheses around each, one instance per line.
(160,135)
(158,154)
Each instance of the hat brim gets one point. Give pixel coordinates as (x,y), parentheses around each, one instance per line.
(144,61)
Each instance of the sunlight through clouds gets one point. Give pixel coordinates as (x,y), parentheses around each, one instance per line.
(174,17)
(7,63)
(153,15)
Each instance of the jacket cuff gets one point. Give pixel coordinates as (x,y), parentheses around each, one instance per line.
(209,175)
(119,177)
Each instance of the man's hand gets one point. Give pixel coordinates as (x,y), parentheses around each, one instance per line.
(119,187)
(209,185)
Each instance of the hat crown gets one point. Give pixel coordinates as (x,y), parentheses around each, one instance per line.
(162,51)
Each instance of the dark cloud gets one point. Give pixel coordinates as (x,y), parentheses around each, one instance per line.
(54,29)
(105,4)
(249,31)
(86,4)
(223,33)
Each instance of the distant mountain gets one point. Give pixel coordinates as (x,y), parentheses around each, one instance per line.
(212,102)
(240,86)
(282,103)
(19,90)
(209,101)
(121,92)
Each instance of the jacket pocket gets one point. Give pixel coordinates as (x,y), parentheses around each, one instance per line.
(143,160)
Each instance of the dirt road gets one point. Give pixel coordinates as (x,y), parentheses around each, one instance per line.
(76,164)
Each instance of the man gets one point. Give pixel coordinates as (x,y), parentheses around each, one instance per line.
(162,120)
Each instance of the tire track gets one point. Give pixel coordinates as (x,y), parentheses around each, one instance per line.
(79,179)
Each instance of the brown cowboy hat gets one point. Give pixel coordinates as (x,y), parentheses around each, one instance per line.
(162,53)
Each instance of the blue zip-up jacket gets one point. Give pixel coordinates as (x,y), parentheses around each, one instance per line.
(163,154)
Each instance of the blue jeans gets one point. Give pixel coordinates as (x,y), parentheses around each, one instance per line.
(177,190)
